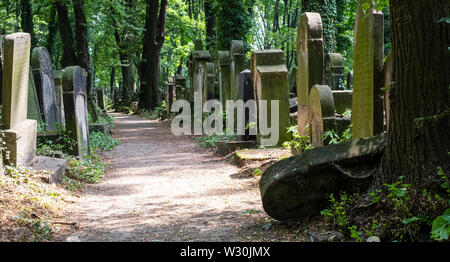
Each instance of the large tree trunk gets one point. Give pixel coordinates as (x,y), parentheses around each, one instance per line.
(153,42)
(81,36)
(52,30)
(210,18)
(418,139)
(65,30)
(27,20)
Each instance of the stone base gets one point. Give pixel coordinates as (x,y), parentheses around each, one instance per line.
(56,168)
(226,147)
(21,142)
(245,157)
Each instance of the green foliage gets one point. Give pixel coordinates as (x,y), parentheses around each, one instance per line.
(298,143)
(86,171)
(332,137)
(336,214)
(441,225)
(52,145)
(211,141)
(41,229)
(101,141)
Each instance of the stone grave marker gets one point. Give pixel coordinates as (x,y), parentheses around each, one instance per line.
(210,81)
(367,109)
(321,113)
(33,109)
(101,98)
(350,80)
(310,63)
(75,109)
(59,95)
(245,94)
(180,88)
(342,100)
(334,75)
(45,87)
(270,76)
(20,133)
(293,82)
(224,73)
(2,39)
(237,65)
(200,59)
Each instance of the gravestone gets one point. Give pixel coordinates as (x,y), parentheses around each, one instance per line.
(101,98)
(342,100)
(180,87)
(170,84)
(350,80)
(367,109)
(75,109)
(293,82)
(237,65)
(45,87)
(59,95)
(270,76)
(224,73)
(310,63)
(210,81)
(33,109)
(2,39)
(321,113)
(20,133)
(388,73)
(198,45)
(200,58)
(334,75)
(245,94)
(300,186)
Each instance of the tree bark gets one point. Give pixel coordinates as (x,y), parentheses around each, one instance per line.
(153,42)
(210,18)
(418,139)
(65,30)
(81,37)
(52,30)
(27,20)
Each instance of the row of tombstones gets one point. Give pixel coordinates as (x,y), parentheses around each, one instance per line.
(320,103)
(37,94)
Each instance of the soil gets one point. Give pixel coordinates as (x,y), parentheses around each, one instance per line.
(160,187)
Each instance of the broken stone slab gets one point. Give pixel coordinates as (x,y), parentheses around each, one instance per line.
(244,157)
(54,168)
(20,141)
(226,147)
(300,186)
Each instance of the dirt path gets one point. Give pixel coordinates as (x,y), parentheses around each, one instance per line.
(163,188)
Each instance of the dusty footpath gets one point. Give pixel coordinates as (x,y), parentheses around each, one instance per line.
(160,187)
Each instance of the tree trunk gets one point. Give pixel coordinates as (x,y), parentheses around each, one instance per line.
(418,139)
(65,30)
(210,18)
(27,20)
(81,36)
(52,30)
(153,42)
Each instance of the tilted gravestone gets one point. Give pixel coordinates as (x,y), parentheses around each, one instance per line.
(59,96)
(334,76)
(20,133)
(210,81)
(224,73)
(33,109)
(321,110)
(245,94)
(75,109)
(237,65)
(45,86)
(270,76)
(310,63)
(367,109)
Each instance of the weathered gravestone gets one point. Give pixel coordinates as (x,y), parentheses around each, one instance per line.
(224,73)
(246,94)
(33,108)
(300,186)
(20,133)
(367,109)
(200,58)
(237,65)
(210,81)
(59,95)
(270,79)
(170,87)
(321,113)
(180,88)
(45,87)
(293,82)
(101,99)
(350,80)
(342,100)
(2,39)
(75,109)
(334,76)
(310,63)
